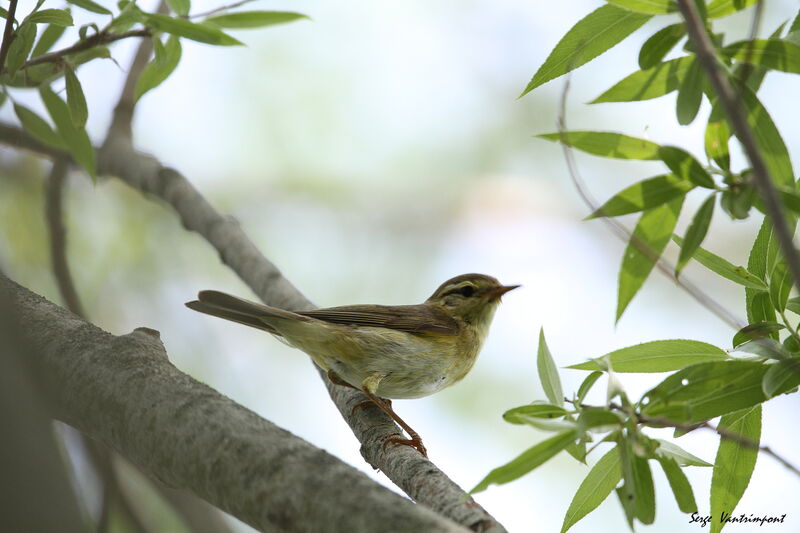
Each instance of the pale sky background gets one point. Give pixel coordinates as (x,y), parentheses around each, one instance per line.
(373,152)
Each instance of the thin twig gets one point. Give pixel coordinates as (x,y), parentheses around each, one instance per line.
(734,108)
(219,9)
(625,235)
(8,34)
(98,39)
(58,244)
(122,120)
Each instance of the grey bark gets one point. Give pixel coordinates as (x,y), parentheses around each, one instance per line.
(124,392)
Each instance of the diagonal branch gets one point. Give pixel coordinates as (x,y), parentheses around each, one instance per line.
(124,392)
(8,33)
(737,115)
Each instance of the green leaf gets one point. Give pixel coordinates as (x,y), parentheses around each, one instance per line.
(659,44)
(638,489)
(650,7)
(776,54)
(734,464)
(685,166)
(695,233)
(598,419)
(519,415)
(527,461)
(587,383)
(606,144)
(793,305)
(647,242)
(715,263)
(780,283)
(89,5)
(690,94)
(780,375)
(548,373)
(50,35)
(766,348)
(649,83)
(180,7)
(591,36)
(189,30)
(595,488)
(254,19)
(722,8)
(669,450)
(759,330)
(59,17)
(659,356)
(75,99)
(707,390)
(167,57)
(646,194)
(37,126)
(717,135)
(680,486)
(769,140)
(75,139)
(20,47)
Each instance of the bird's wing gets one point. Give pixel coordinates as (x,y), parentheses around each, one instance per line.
(411,318)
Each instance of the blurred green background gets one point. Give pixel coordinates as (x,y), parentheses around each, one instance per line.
(372,153)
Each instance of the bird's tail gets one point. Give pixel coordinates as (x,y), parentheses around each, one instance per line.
(245,312)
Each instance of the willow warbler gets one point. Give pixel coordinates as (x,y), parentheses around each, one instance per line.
(387,352)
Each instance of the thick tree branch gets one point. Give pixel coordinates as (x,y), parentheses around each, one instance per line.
(124,392)
(735,109)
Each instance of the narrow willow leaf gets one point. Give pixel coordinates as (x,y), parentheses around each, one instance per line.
(723,8)
(180,7)
(734,464)
(681,488)
(599,31)
(548,373)
(658,356)
(690,94)
(595,488)
(670,450)
(717,135)
(89,5)
(659,44)
(75,99)
(724,268)
(707,390)
(531,417)
(20,47)
(650,7)
(649,83)
(776,54)
(685,166)
(780,283)
(759,330)
(759,308)
(50,35)
(606,144)
(535,410)
(765,348)
(527,461)
(75,139)
(189,30)
(769,140)
(167,57)
(37,126)
(638,489)
(695,233)
(646,194)
(587,384)
(254,19)
(780,376)
(649,238)
(793,305)
(59,17)
(598,419)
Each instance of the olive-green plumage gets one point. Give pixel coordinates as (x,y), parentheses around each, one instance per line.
(403,351)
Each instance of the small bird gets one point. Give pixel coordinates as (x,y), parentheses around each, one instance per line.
(387,352)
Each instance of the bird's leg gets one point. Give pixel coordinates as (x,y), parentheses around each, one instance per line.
(334,378)
(370,385)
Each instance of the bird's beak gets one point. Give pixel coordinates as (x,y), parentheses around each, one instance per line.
(496,294)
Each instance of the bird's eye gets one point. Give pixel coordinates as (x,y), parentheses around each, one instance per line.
(467,290)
